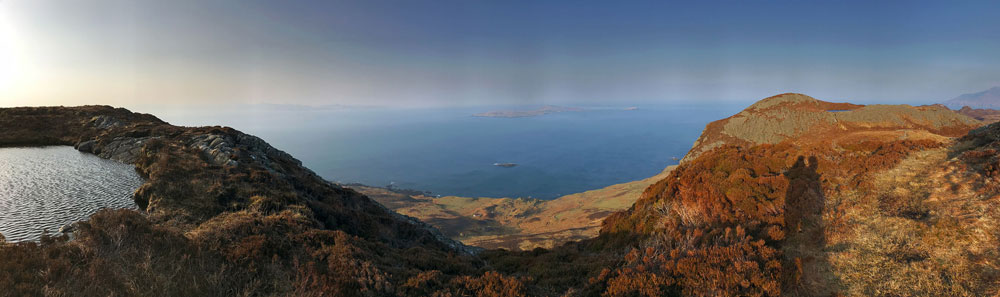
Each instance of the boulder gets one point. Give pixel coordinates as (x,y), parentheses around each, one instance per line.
(86,146)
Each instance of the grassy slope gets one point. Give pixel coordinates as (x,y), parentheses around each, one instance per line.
(865,205)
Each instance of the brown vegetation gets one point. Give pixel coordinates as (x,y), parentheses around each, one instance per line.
(225,214)
(982,114)
(793,117)
(764,221)
(867,206)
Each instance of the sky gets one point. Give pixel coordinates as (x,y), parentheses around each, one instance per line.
(469,53)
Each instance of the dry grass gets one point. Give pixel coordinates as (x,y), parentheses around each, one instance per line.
(517,224)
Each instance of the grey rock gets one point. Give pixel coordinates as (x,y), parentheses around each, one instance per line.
(219,148)
(124,149)
(105,122)
(86,146)
(69,230)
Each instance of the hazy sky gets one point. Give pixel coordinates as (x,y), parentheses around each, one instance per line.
(418,53)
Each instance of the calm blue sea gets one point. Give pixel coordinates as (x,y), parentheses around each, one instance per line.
(450,152)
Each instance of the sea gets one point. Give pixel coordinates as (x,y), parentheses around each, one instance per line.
(448,151)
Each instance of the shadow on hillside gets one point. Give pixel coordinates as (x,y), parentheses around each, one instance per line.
(807,270)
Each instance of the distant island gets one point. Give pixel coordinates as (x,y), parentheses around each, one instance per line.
(527,113)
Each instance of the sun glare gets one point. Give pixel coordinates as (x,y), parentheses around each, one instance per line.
(8,56)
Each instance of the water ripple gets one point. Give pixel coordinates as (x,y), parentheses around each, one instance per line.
(43,188)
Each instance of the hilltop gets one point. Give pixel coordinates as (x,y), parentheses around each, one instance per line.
(796,116)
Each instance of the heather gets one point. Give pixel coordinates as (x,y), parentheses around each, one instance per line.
(887,208)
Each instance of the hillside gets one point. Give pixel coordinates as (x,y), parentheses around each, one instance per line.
(516,224)
(223,214)
(985,99)
(985,115)
(784,198)
(870,209)
(831,206)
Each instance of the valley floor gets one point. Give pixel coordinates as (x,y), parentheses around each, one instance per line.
(516,223)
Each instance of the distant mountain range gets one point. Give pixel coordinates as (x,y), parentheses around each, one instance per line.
(985,99)
(527,113)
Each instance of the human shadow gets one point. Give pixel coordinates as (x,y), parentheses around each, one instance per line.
(806,268)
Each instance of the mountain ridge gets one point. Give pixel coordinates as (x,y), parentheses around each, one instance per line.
(544,110)
(989,98)
(792,115)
